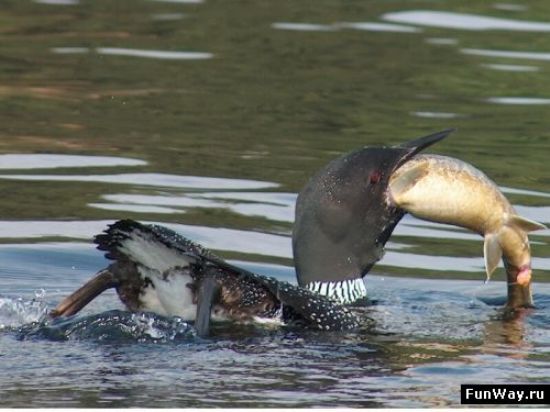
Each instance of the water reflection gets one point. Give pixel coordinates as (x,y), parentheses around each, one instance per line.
(180,1)
(383,27)
(154,54)
(542,56)
(519,100)
(245,198)
(511,67)
(508,330)
(436,115)
(510,6)
(58,2)
(153,179)
(273,206)
(167,16)
(525,192)
(285,101)
(365,26)
(70,50)
(149,54)
(442,41)
(451,20)
(302,26)
(53,161)
(232,240)
(135,208)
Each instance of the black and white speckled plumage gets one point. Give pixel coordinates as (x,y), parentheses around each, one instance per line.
(155,269)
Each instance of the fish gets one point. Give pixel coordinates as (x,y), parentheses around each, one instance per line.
(447,190)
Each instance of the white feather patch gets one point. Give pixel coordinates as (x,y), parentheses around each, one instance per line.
(151,253)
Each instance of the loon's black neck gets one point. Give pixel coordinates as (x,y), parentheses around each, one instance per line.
(343,218)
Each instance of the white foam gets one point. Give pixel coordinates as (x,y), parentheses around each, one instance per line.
(18,312)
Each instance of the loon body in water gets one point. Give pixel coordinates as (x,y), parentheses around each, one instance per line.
(157,270)
(349,209)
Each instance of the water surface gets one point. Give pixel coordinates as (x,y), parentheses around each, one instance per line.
(209,117)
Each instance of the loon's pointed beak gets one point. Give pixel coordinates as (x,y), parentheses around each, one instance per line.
(417,145)
(343,218)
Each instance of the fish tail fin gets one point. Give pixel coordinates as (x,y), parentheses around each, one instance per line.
(492,249)
(73,303)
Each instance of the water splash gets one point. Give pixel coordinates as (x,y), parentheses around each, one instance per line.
(113,326)
(17,312)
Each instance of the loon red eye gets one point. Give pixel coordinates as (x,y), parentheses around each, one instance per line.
(375,177)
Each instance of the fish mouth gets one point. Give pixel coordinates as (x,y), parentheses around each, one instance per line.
(520,293)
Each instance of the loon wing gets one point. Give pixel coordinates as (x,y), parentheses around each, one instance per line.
(165,251)
(299,304)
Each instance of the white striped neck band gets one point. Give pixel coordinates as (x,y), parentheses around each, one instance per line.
(344,291)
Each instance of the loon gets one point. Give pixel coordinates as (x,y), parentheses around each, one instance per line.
(157,270)
(348,210)
(342,219)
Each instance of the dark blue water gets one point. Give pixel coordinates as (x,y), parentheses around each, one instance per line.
(209,116)
(425,338)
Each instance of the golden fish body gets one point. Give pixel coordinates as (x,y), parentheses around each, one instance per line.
(447,190)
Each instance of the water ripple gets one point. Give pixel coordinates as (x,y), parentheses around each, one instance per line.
(451,20)
(53,161)
(126,52)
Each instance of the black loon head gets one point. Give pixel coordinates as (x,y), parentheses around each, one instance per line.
(343,219)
